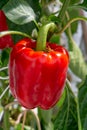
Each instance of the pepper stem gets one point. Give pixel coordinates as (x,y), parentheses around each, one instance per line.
(42,36)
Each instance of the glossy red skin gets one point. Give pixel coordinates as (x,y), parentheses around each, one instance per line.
(36,77)
(5,41)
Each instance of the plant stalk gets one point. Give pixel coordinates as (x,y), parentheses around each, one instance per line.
(63,10)
(78,114)
(3,33)
(70,22)
(42,36)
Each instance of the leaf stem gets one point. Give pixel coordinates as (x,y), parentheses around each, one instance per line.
(4,78)
(70,22)
(6,120)
(10,104)
(78,114)
(67,115)
(24,119)
(35,22)
(37,119)
(4,92)
(3,68)
(63,9)
(13,32)
(69,86)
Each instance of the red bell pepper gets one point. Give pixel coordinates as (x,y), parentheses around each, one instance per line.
(37,77)
(5,41)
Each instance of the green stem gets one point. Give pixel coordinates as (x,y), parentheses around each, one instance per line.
(37,119)
(4,92)
(78,114)
(70,22)
(3,68)
(71,43)
(68,106)
(24,119)
(10,104)
(35,22)
(42,36)
(6,120)
(13,32)
(63,10)
(68,84)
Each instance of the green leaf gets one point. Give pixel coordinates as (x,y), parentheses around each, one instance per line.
(62,99)
(36,7)
(83,5)
(1,128)
(77,63)
(66,118)
(82,96)
(55,39)
(18,127)
(5,57)
(2,3)
(19,11)
(54,18)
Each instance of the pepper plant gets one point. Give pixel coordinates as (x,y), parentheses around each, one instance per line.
(37,65)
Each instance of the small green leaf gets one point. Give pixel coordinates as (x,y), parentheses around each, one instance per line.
(19,11)
(18,127)
(54,18)
(82,96)
(55,39)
